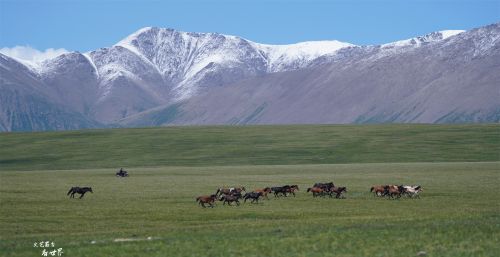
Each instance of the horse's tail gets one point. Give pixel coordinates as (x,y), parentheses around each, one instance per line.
(309,190)
(371,189)
(70,190)
(198,199)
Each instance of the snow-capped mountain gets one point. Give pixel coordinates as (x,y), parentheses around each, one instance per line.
(190,60)
(154,69)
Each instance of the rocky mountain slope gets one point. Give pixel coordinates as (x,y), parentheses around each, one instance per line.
(162,76)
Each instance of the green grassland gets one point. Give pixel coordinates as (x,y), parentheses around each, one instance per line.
(458,213)
(248,145)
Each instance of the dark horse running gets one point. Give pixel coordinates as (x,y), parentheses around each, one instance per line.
(79,190)
(254,196)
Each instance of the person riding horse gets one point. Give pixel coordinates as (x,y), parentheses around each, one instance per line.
(122,173)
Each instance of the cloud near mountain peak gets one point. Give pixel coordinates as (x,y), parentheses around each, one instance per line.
(30,54)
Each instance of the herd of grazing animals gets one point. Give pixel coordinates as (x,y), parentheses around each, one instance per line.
(235,194)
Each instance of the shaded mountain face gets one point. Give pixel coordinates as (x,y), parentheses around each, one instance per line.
(27,104)
(449,82)
(162,76)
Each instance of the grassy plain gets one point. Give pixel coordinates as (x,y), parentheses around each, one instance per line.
(249,145)
(457,215)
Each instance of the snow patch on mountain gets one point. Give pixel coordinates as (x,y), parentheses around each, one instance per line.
(418,41)
(449,33)
(89,59)
(280,57)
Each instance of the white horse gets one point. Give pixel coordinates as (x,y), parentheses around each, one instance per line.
(413,191)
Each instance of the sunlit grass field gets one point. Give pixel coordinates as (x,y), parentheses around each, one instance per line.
(154,211)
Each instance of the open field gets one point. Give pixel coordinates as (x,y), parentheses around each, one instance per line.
(457,215)
(249,145)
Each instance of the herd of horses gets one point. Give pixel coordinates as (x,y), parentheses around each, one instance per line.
(324,189)
(394,191)
(235,194)
(232,195)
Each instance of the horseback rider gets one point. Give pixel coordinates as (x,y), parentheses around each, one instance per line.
(122,172)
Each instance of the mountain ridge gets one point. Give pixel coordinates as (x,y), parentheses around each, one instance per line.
(164,69)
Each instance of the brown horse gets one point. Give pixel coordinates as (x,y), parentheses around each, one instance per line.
(210,199)
(316,191)
(339,191)
(378,190)
(392,191)
(292,189)
(264,191)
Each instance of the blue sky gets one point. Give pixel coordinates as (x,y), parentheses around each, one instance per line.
(87,25)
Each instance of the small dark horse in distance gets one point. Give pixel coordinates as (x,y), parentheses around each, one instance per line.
(78,190)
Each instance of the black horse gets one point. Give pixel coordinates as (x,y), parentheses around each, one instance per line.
(79,190)
(283,190)
(122,173)
(324,186)
(229,199)
(253,195)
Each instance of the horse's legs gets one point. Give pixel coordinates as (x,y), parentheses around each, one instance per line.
(82,195)
(237,202)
